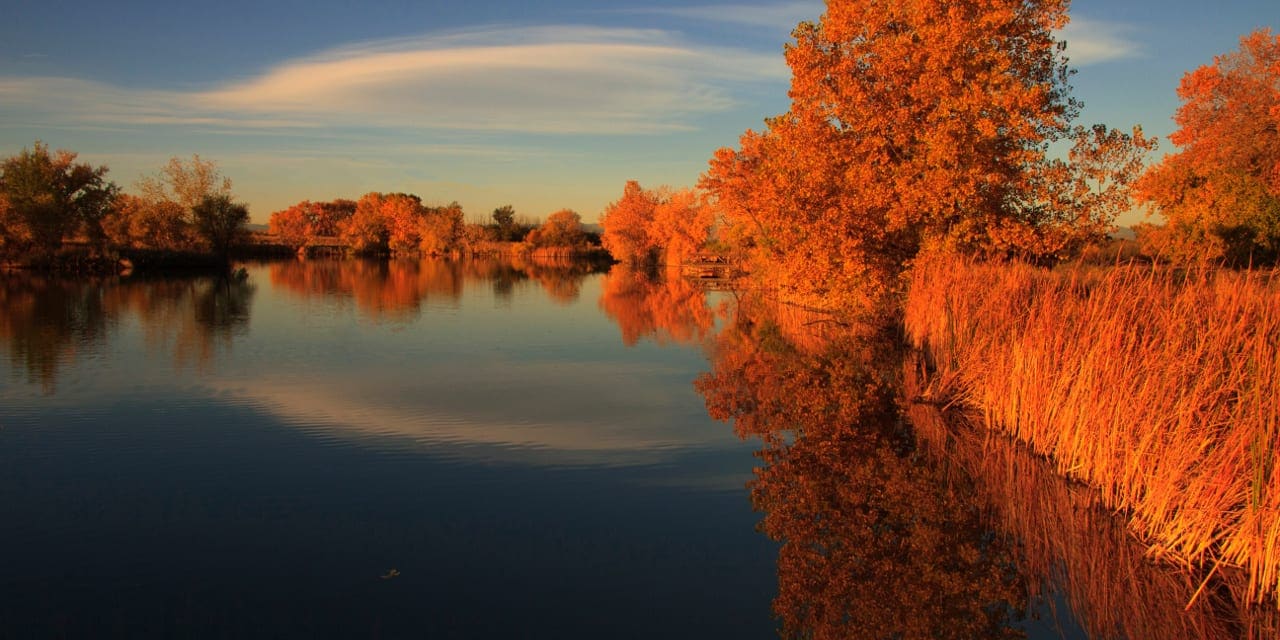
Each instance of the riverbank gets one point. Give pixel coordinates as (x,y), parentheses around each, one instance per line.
(1159,387)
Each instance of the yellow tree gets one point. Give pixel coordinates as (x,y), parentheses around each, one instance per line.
(1220,193)
(919,123)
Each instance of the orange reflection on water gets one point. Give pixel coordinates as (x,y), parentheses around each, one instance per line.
(896,523)
(397,289)
(663,309)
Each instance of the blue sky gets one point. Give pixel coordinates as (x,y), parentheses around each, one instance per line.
(542,105)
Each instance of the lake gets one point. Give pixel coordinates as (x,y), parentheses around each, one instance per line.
(493,449)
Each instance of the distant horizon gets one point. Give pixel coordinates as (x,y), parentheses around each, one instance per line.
(544,107)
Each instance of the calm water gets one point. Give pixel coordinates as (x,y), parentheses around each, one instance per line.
(360,449)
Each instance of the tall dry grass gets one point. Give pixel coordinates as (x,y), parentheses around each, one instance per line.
(1160,388)
(1070,544)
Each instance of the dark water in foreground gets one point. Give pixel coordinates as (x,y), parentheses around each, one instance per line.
(352,449)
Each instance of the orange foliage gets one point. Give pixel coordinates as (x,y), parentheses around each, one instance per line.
(918,123)
(291,225)
(1073,544)
(1221,192)
(366,230)
(440,229)
(152,224)
(626,225)
(307,222)
(665,226)
(682,224)
(1159,387)
(924,529)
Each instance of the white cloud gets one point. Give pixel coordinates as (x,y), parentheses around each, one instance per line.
(539,80)
(1093,41)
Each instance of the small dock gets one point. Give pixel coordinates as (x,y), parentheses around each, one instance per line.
(707,266)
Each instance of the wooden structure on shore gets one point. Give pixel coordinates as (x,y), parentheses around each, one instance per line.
(707,267)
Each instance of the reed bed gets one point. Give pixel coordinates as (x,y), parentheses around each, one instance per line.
(1158,387)
(1073,545)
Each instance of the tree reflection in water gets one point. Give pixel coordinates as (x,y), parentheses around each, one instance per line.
(662,307)
(896,523)
(48,321)
(876,542)
(44,320)
(396,290)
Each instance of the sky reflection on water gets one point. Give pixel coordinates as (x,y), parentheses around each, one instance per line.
(249,460)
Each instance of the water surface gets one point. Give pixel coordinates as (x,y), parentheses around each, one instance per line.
(189,456)
(495,449)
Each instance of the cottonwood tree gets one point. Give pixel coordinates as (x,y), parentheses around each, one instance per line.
(292,226)
(440,229)
(220,222)
(160,215)
(45,197)
(561,229)
(504,219)
(663,225)
(366,230)
(627,224)
(1220,192)
(682,224)
(913,124)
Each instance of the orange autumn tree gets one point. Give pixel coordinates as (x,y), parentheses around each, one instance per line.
(682,223)
(918,124)
(627,224)
(561,229)
(307,221)
(291,225)
(440,229)
(1220,193)
(656,226)
(365,231)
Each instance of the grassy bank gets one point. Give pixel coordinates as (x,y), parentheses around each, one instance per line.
(1069,543)
(1160,388)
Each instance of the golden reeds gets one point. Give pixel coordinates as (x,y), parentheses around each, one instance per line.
(1158,387)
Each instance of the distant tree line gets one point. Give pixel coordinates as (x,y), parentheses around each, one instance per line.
(52,206)
(400,224)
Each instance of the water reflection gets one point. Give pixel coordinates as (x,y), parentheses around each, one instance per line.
(527,474)
(897,523)
(397,290)
(876,542)
(662,307)
(1070,543)
(43,320)
(48,322)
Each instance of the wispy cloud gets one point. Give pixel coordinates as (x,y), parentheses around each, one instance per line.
(1094,41)
(537,80)
(784,15)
